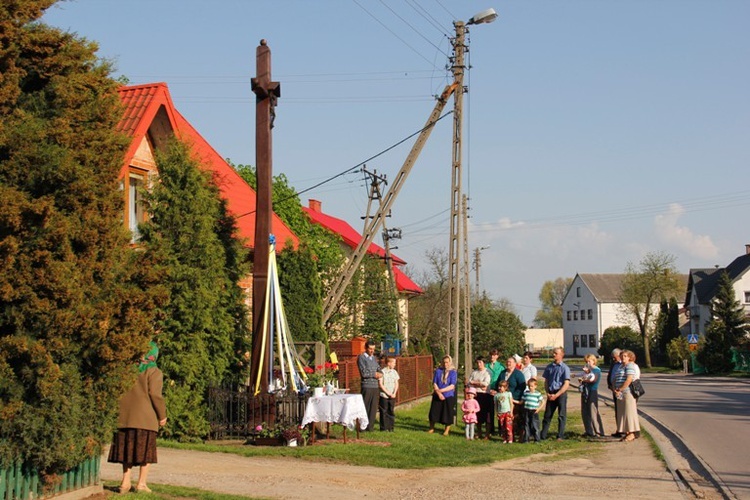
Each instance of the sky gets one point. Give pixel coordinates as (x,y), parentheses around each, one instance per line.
(595,131)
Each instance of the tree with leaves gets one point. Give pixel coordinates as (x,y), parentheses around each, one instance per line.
(496,327)
(725,330)
(667,325)
(427,321)
(551,297)
(77,304)
(645,285)
(204,330)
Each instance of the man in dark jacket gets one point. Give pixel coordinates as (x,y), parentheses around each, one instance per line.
(370,372)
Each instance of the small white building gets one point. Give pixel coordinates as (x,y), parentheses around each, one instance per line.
(543,339)
(591,305)
(703,285)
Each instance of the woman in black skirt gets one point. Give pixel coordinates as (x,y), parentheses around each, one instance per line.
(142,411)
(443,406)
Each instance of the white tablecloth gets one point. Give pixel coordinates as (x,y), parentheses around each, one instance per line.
(342,409)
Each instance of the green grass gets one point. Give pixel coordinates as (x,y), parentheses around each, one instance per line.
(410,447)
(167,492)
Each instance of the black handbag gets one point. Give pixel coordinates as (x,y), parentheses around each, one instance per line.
(637,388)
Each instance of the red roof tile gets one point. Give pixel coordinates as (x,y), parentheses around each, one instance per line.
(142,102)
(352,237)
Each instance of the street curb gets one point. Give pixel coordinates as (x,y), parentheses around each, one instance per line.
(696,463)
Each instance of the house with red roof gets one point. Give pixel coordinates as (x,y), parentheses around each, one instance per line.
(350,237)
(150,119)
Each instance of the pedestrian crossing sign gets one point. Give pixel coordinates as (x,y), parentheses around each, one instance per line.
(692,338)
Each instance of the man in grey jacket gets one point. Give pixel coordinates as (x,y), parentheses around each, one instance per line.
(370,372)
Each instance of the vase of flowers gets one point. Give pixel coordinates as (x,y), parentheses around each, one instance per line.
(322,376)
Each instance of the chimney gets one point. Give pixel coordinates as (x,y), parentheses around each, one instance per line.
(314,205)
(747,249)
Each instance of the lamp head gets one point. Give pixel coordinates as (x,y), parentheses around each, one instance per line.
(486,16)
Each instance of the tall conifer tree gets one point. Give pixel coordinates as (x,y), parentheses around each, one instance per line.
(76,303)
(204,328)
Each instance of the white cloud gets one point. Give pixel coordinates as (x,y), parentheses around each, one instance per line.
(668,231)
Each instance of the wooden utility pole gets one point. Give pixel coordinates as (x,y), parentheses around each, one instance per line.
(266,93)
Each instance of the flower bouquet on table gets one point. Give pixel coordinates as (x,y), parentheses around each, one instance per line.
(324,376)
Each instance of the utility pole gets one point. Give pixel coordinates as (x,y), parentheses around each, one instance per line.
(477,265)
(466,288)
(454,288)
(266,93)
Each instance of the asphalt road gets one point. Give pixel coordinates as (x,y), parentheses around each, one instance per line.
(712,417)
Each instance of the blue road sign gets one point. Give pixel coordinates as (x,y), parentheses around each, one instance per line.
(692,338)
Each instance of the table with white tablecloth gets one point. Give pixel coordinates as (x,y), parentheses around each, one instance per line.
(344,409)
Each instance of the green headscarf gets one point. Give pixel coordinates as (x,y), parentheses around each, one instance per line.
(149,360)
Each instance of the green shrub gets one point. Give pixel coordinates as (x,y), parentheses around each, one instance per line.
(76,303)
(678,350)
(622,337)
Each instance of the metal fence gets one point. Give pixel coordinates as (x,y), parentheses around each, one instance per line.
(234,411)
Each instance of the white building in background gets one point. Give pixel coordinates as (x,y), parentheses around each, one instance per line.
(591,305)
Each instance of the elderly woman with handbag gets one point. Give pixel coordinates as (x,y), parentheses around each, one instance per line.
(627,419)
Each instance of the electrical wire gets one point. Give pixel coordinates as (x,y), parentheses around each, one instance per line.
(428,17)
(392,32)
(412,27)
(358,165)
(445,9)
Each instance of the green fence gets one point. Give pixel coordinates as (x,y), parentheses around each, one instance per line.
(19,483)
(740,360)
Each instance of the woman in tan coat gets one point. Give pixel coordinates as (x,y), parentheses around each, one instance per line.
(142,412)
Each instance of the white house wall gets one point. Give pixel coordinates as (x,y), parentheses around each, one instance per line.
(603,315)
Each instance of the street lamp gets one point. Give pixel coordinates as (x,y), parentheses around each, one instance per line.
(457,67)
(484,17)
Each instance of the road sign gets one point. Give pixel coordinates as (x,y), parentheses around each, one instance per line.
(693,347)
(692,338)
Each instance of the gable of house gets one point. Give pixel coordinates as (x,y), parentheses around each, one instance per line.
(150,118)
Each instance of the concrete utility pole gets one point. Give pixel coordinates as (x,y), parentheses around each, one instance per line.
(466,285)
(454,279)
(266,93)
(477,265)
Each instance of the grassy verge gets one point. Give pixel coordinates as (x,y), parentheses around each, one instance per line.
(410,447)
(167,492)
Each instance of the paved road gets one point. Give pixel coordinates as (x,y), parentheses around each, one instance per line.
(712,417)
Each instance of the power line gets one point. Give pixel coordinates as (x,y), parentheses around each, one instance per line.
(413,28)
(428,17)
(446,10)
(350,169)
(392,32)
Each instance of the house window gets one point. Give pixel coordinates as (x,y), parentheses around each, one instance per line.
(584,342)
(578,291)
(591,314)
(747,297)
(575,315)
(592,341)
(135,209)
(568,315)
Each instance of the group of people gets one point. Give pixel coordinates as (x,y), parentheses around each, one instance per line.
(505,393)
(509,395)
